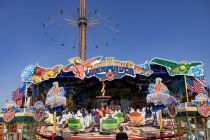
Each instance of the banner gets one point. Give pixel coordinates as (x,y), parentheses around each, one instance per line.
(108,69)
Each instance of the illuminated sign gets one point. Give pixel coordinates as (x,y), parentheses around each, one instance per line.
(8,115)
(9,110)
(203,104)
(204,110)
(55,96)
(108,69)
(38,111)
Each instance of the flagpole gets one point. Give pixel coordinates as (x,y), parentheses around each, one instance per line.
(161,121)
(54,121)
(185,83)
(25,98)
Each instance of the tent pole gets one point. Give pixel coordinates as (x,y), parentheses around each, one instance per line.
(54,120)
(25,98)
(185,83)
(161,121)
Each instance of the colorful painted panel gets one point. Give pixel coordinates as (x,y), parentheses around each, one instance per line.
(181,68)
(203,104)
(38,111)
(9,111)
(159,95)
(37,74)
(108,69)
(172,106)
(55,96)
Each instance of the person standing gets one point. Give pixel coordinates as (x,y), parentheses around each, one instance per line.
(121,135)
(59,136)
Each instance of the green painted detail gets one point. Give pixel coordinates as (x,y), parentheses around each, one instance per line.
(109,123)
(175,68)
(74,123)
(119,117)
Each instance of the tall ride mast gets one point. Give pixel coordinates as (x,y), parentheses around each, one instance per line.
(82,23)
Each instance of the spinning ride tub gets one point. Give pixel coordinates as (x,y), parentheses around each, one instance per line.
(119,117)
(109,123)
(136,117)
(74,124)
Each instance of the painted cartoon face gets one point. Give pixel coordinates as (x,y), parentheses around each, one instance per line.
(55,84)
(77,61)
(9,106)
(202,99)
(183,66)
(58,68)
(39,106)
(158,80)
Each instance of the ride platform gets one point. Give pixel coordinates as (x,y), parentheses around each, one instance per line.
(134,133)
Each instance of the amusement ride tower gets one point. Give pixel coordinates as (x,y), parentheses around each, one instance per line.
(101,29)
(82,23)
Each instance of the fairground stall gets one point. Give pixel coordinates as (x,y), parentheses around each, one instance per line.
(93,98)
(19,123)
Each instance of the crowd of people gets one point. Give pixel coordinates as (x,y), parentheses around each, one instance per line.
(91,119)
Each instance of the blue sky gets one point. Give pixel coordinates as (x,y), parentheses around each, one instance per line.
(171,29)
